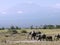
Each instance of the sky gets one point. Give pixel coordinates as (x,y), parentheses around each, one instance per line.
(29,12)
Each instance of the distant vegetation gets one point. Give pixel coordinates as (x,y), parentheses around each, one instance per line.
(12,27)
(2,28)
(46,27)
(33,27)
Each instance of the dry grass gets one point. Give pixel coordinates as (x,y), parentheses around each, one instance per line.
(24,37)
(46,31)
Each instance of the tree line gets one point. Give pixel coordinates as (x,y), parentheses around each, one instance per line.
(34,27)
(45,27)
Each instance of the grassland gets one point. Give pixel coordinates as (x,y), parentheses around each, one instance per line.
(23,37)
(46,31)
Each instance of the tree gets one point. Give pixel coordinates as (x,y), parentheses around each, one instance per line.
(17,27)
(12,27)
(45,27)
(58,26)
(50,26)
(2,28)
(31,27)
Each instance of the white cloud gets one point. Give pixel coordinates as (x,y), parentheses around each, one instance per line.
(3,12)
(19,12)
(30,2)
(57,5)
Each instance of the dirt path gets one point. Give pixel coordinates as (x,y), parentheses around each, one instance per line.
(33,41)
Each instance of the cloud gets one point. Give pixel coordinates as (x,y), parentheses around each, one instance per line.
(29,2)
(3,12)
(19,12)
(57,5)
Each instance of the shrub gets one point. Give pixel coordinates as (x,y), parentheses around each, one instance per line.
(23,31)
(12,31)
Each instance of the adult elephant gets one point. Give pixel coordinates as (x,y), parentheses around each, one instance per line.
(45,37)
(42,37)
(57,37)
(34,34)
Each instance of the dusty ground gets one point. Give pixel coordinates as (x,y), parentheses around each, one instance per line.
(32,43)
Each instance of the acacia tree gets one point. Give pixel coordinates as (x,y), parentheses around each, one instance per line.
(12,27)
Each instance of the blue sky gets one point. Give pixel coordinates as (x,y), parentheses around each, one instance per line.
(29,12)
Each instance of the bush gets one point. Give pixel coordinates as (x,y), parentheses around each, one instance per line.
(23,31)
(12,31)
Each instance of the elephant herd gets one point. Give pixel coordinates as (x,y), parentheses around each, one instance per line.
(39,36)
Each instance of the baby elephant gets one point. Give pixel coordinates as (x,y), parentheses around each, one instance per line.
(49,38)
